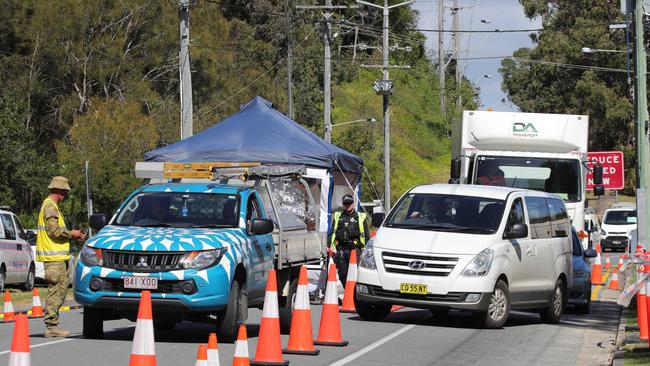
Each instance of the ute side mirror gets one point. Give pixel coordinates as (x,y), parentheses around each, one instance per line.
(261,226)
(516,231)
(598,174)
(590,253)
(97,221)
(454,171)
(378,219)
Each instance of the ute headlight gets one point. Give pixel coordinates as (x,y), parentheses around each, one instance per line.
(367,260)
(202,259)
(91,256)
(480,264)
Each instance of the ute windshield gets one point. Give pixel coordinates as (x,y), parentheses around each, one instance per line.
(559,176)
(179,209)
(451,213)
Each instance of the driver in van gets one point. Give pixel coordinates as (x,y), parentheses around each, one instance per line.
(489,174)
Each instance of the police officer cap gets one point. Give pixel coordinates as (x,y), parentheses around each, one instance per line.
(60,183)
(348,199)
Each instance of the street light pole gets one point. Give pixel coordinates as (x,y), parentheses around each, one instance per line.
(187,128)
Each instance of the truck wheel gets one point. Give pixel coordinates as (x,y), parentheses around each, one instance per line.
(370,311)
(552,313)
(286,311)
(228,319)
(93,323)
(498,309)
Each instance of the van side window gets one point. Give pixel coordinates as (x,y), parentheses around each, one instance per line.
(540,218)
(516,215)
(559,218)
(8,227)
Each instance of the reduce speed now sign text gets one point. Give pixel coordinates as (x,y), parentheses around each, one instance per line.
(612,163)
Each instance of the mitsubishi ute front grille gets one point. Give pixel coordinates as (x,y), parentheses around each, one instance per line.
(142,261)
(421,265)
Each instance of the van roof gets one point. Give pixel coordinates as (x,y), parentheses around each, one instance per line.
(495,192)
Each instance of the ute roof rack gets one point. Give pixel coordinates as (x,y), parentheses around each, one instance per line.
(215,170)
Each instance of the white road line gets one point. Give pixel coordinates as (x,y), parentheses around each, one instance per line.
(372,346)
(43,344)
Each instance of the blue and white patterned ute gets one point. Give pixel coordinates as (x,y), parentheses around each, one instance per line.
(213,283)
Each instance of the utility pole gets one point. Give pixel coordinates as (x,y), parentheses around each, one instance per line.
(327,74)
(384,88)
(184,69)
(642,148)
(456,121)
(289,62)
(441,56)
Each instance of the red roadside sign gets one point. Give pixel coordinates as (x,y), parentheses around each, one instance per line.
(612,163)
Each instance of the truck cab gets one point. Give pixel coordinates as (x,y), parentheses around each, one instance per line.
(203,248)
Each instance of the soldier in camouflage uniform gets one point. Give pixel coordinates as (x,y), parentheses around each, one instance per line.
(53,249)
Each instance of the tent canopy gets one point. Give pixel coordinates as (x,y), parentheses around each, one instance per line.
(260,133)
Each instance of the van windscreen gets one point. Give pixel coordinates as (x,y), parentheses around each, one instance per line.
(451,213)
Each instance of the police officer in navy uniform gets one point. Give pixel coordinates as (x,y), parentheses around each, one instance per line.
(348,231)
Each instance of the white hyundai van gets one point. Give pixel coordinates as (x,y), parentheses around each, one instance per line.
(479,248)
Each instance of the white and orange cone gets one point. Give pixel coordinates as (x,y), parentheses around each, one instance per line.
(241,348)
(9,309)
(350,284)
(613,283)
(329,332)
(37,309)
(213,350)
(597,271)
(202,356)
(608,265)
(20,343)
(621,263)
(269,344)
(143,352)
(301,339)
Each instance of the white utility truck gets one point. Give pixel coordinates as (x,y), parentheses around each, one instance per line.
(545,152)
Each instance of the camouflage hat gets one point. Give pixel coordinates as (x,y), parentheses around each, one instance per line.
(59,183)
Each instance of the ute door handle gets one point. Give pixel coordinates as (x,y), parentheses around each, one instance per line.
(268,247)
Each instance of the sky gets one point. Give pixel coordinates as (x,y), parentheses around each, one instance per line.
(502,14)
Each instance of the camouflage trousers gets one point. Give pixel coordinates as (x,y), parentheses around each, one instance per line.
(57,277)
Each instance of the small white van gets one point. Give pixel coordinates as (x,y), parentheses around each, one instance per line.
(618,223)
(16,259)
(479,248)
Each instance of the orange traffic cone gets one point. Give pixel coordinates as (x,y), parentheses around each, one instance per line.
(350,283)
(647,288)
(597,271)
(269,344)
(202,356)
(213,350)
(241,348)
(608,265)
(9,309)
(613,283)
(621,262)
(143,352)
(37,309)
(300,338)
(20,343)
(642,316)
(598,250)
(329,332)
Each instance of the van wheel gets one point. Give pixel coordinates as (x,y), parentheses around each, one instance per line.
(553,312)
(286,311)
(29,281)
(498,309)
(370,311)
(93,323)
(229,319)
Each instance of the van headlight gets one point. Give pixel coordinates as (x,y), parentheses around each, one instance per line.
(202,259)
(91,256)
(603,232)
(480,264)
(367,260)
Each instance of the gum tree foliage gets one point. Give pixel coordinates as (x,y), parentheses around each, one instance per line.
(604,96)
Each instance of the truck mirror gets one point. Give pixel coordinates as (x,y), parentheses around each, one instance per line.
(598,174)
(599,190)
(378,219)
(97,221)
(455,169)
(261,226)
